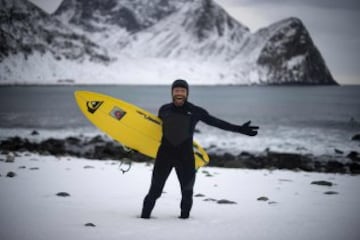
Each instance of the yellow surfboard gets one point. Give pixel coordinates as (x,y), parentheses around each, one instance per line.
(128,124)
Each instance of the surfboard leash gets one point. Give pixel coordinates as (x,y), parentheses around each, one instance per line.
(127,162)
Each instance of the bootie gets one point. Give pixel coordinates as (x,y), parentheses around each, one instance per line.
(184,215)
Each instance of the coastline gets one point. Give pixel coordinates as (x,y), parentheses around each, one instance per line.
(101,148)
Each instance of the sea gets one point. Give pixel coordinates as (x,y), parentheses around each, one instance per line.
(318,120)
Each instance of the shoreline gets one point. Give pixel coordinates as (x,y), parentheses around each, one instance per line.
(100,148)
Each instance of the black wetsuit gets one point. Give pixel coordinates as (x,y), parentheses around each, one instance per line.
(176,150)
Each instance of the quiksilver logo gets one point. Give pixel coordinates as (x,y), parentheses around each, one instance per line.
(92,106)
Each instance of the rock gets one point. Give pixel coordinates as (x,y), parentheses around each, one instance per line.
(356,137)
(11,174)
(353,155)
(354,167)
(210,200)
(246,154)
(63,194)
(290,161)
(88,167)
(225,201)
(97,139)
(53,146)
(337,151)
(73,141)
(207,174)
(331,193)
(35,133)
(263,199)
(335,167)
(10,157)
(90,225)
(199,195)
(285,180)
(322,183)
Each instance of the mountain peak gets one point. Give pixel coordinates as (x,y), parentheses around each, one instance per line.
(206,18)
(290,56)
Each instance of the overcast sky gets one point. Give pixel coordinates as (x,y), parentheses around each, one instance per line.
(333,25)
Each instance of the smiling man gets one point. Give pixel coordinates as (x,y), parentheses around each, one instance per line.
(176,149)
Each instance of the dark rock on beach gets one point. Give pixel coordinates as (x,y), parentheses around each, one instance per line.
(354,156)
(88,167)
(356,137)
(63,194)
(210,200)
(94,148)
(100,147)
(225,201)
(335,167)
(263,199)
(10,174)
(331,193)
(53,146)
(354,167)
(290,161)
(89,225)
(199,195)
(322,183)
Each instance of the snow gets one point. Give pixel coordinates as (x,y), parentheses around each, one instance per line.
(125,70)
(112,201)
(295,61)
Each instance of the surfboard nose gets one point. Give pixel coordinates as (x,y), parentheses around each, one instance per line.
(81,95)
(78,93)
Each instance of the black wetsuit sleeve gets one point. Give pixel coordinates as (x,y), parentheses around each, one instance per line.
(216,122)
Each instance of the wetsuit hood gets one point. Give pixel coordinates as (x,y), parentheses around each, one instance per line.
(180,83)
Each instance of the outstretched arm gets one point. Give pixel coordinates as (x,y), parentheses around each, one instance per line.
(246,128)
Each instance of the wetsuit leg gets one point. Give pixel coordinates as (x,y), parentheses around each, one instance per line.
(186,174)
(161,171)
(187,180)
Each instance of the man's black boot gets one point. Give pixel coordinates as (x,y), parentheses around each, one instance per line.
(145,213)
(184,215)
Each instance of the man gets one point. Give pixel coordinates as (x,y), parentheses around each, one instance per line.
(176,149)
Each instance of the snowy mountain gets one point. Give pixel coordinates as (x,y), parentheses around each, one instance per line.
(153,42)
(199,29)
(289,56)
(25,28)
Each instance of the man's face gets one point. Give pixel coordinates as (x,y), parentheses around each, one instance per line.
(179,96)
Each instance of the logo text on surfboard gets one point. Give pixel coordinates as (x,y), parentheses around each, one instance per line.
(92,106)
(148,117)
(117,113)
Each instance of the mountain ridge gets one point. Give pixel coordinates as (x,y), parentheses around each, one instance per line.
(194,39)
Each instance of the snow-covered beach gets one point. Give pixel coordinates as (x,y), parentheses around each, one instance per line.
(102,195)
